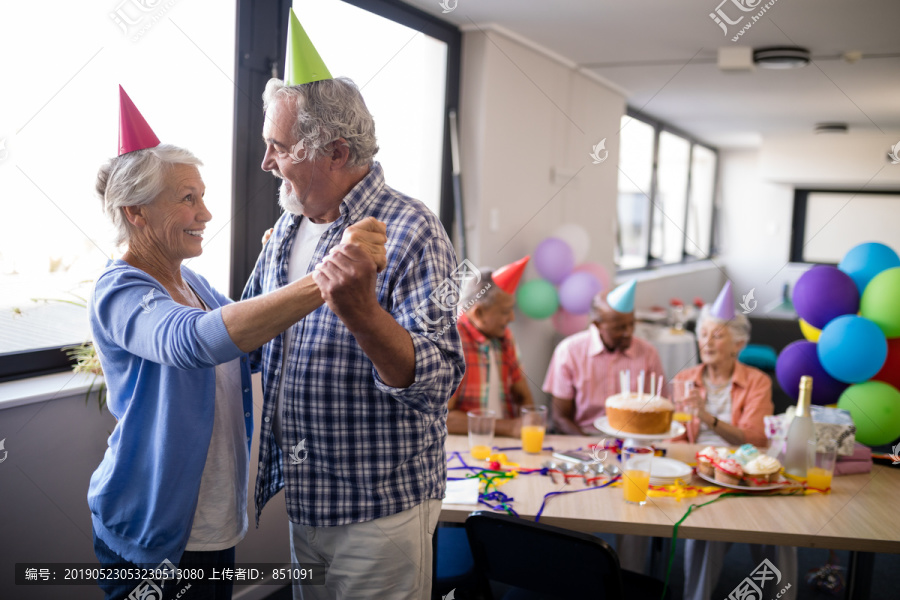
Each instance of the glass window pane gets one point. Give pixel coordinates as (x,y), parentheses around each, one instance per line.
(635,173)
(671,198)
(409,124)
(700,207)
(172,59)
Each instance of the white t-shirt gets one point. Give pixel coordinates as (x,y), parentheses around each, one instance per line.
(220,520)
(718,404)
(495,382)
(305,241)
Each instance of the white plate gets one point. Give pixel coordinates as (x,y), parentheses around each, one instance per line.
(602,424)
(746,488)
(669,469)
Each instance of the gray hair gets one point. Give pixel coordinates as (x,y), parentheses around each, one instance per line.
(327,110)
(482,291)
(739,325)
(136,179)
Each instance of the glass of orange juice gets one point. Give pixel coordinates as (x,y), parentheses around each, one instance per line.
(821,468)
(534,424)
(481,432)
(636,464)
(680,390)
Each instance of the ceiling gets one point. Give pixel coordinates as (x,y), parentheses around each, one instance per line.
(663,54)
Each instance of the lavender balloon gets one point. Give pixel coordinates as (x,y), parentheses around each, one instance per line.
(577,291)
(554,260)
(824,293)
(800,358)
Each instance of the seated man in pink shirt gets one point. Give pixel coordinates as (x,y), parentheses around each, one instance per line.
(584,370)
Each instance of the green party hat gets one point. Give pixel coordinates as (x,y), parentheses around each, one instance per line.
(302,64)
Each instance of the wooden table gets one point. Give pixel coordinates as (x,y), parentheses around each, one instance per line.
(860,513)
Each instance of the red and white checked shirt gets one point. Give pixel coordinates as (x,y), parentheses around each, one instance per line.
(584,370)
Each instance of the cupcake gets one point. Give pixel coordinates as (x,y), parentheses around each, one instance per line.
(705,461)
(746,453)
(729,471)
(762,470)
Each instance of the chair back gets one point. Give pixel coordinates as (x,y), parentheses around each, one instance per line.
(553,562)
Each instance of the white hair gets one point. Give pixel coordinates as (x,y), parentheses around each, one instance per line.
(739,325)
(328,110)
(136,179)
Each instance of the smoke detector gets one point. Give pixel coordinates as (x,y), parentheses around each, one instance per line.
(781,57)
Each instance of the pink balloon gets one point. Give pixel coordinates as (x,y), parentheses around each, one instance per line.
(567,324)
(597,270)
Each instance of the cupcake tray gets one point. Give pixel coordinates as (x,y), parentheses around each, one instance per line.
(746,488)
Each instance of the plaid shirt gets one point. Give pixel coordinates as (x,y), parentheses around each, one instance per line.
(360,449)
(473,391)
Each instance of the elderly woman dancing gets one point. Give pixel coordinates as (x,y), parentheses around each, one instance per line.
(729,400)
(172,485)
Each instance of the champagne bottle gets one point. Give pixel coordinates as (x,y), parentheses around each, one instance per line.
(796,458)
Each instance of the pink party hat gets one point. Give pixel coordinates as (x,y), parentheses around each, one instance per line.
(508,277)
(621,299)
(723,307)
(134,132)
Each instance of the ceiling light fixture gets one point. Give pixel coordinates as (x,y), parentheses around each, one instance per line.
(781,57)
(831,128)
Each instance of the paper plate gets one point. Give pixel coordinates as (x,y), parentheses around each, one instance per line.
(665,471)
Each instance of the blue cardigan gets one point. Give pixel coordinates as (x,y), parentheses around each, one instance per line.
(159,360)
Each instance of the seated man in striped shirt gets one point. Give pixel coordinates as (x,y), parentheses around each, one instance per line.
(584,370)
(493,378)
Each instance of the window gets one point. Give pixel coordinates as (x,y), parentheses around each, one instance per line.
(827,224)
(666,195)
(54,239)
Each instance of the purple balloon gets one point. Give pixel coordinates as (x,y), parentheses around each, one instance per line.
(800,358)
(554,260)
(577,291)
(823,293)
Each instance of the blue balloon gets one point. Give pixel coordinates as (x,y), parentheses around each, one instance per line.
(852,349)
(865,261)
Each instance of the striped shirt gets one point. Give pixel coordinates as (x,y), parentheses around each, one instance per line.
(360,449)
(584,370)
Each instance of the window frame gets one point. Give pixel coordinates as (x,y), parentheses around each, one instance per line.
(257,54)
(798,216)
(653,263)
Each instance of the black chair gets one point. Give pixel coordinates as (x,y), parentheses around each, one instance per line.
(542,561)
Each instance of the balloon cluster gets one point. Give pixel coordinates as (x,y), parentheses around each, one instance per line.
(850,317)
(566,288)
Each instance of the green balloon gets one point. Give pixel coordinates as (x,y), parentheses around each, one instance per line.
(537,299)
(880,302)
(875,408)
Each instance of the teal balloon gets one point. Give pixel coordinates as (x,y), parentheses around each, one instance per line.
(865,261)
(537,299)
(875,408)
(851,349)
(880,302)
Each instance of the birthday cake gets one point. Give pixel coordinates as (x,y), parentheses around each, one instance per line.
(641,414)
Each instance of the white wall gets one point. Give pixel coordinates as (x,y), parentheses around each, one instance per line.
(527,126)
